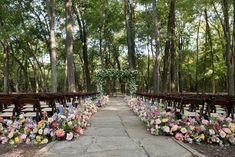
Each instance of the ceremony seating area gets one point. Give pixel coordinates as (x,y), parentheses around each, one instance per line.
(34,104)
(208,105)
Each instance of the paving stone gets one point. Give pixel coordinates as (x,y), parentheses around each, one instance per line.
(116,131)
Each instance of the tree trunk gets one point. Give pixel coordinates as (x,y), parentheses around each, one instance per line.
(83,38)
(69,46)
(169,47)
(157,48)
(208,32)
(230,81)
(172,49)
(130,30)
(51,13)
(180,83)
(6,67)
(234,40)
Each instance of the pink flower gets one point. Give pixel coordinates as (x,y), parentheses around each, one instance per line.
(179,136)
(54,124)
(158,121)
(46,131)
(211,131)
(228,119)
(227,130)
(217,126)
(205,122)
(77,129)
(69,136)
(222,134)
(60,133)
(22,137)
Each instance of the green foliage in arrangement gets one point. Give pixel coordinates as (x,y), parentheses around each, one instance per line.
(130,75)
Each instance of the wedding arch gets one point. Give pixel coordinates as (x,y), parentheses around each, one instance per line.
(129,75)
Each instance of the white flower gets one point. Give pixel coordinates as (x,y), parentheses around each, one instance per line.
(40,131)
(21,116)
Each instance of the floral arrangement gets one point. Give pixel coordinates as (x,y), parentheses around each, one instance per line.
(115,74)
(158,121)
(65,126)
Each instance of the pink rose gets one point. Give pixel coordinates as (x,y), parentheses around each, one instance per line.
(77,129)
(54,124)
(60,133)
(179,136)
(217,126)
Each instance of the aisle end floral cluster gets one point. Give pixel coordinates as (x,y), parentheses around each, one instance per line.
(64,126)
(217,130)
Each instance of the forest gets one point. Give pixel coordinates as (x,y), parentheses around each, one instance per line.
(175,45)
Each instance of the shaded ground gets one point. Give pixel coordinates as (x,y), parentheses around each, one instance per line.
(214,150)
(19,150)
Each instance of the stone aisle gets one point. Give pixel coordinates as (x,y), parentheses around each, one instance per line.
(116,131)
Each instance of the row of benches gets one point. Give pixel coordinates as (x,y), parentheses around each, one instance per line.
(34,104)
(203,104)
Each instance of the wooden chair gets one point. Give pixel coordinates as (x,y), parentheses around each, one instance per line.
(5,103)
(34,105)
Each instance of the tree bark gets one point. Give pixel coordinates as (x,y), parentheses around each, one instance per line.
(130,30)
(6,66)
(69,46)
(234,41)
(83,38)
(230,81)
(51,13)
(172,49)
(157,48)
(169,46)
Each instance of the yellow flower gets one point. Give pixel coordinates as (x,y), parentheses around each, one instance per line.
(38,138)
(164,120)
(11,142)
(233,130)
(202,137)
(17,140)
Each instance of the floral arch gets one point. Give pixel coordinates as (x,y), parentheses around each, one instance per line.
(130,75)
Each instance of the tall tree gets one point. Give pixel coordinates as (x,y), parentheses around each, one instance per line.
(230,81)
(83,38)
(130,30)
(172,49)
(169,47)
(69,46)
(157,48)
(51,13)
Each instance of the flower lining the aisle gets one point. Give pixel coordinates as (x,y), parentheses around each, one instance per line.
(65,126)
(158,121)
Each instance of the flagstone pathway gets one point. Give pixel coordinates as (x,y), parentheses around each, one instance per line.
(116,131)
